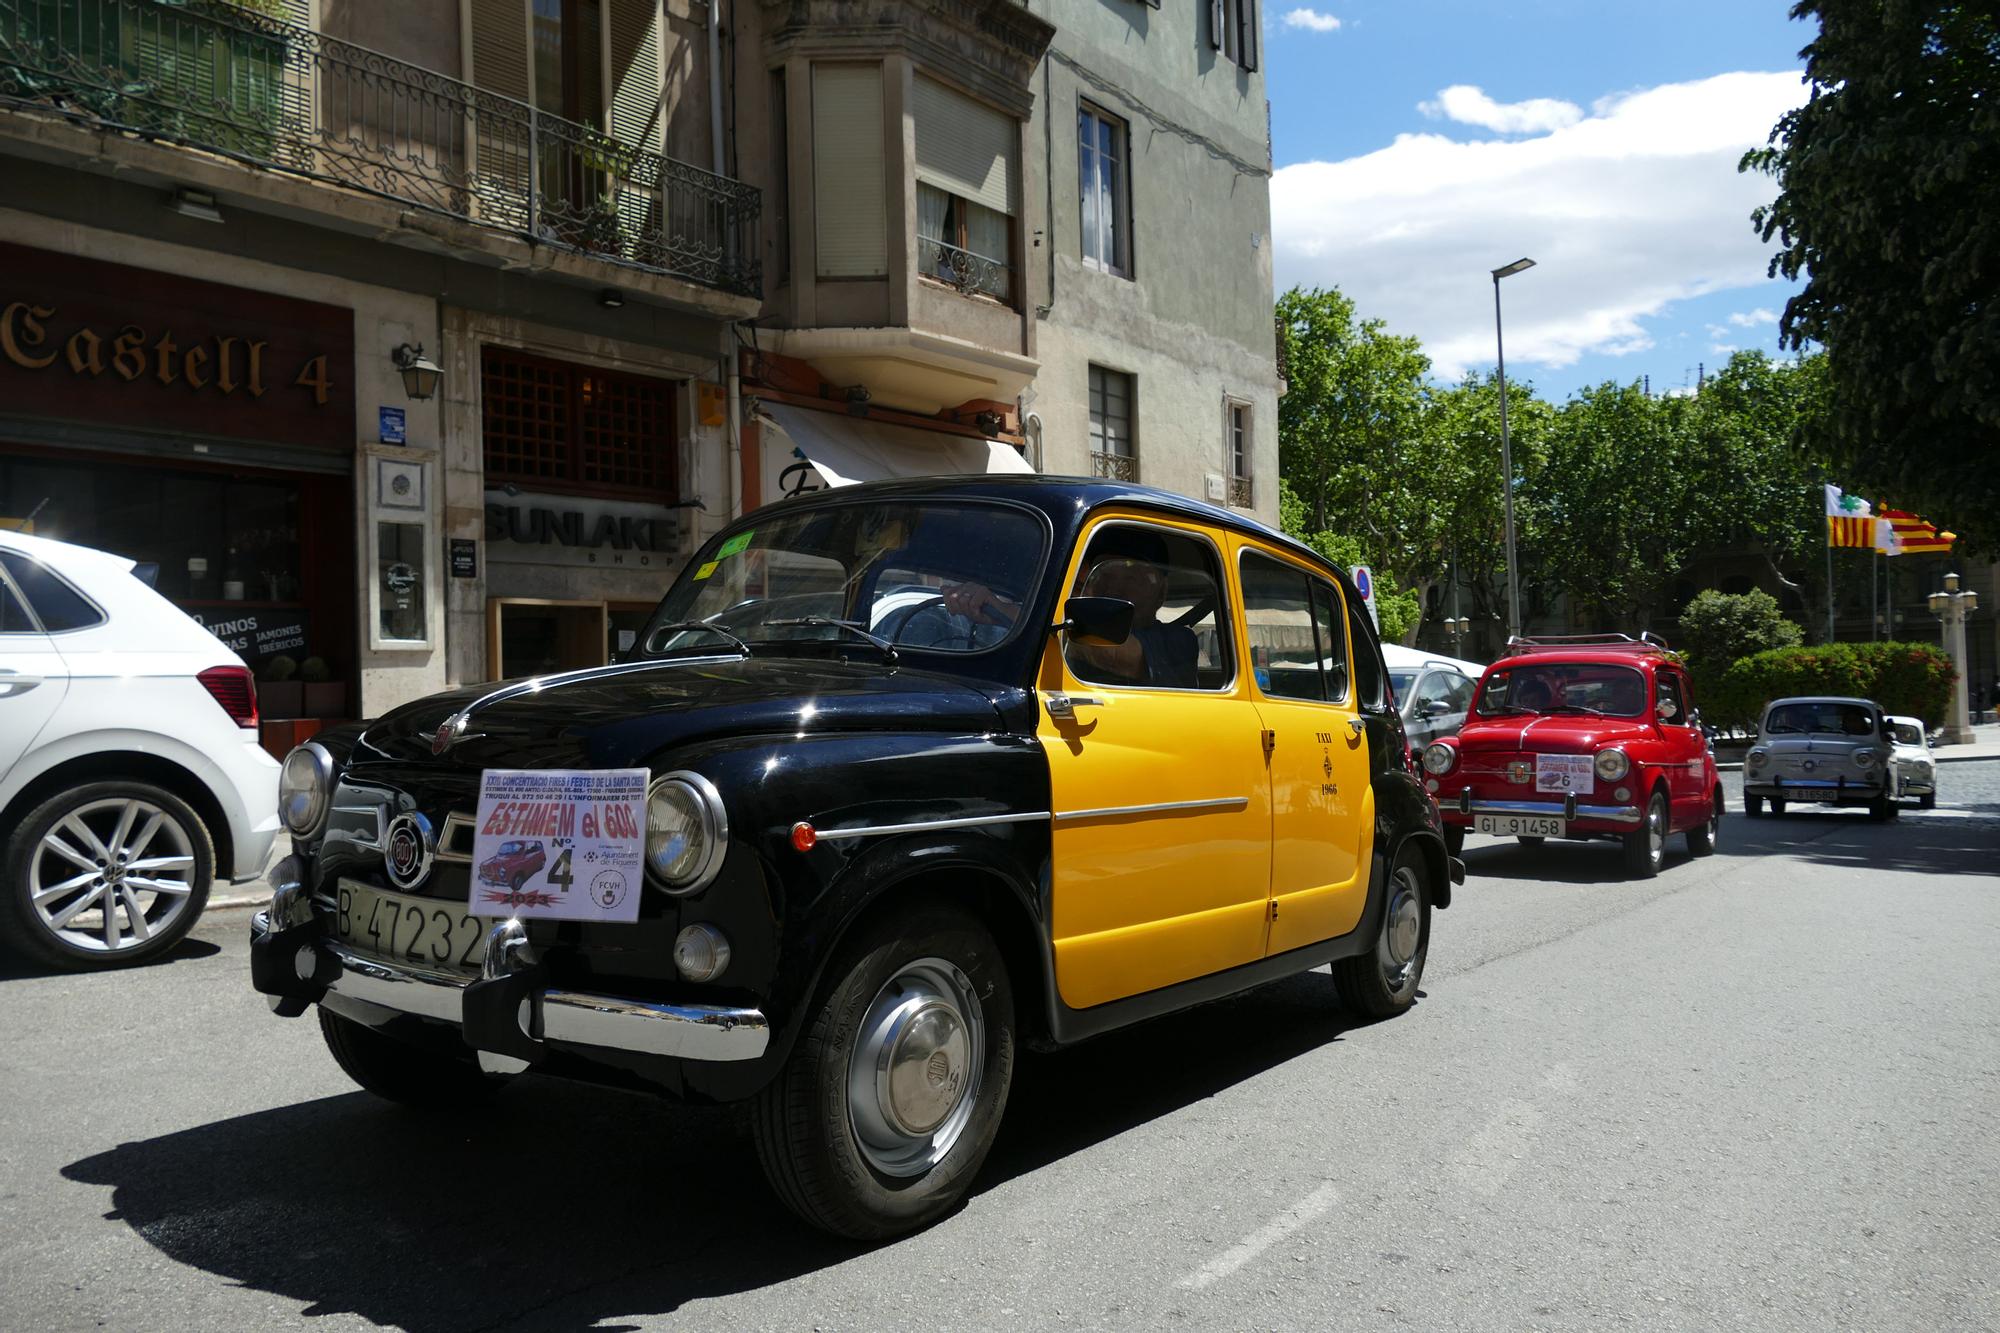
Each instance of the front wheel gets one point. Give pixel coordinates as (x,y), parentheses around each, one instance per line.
(1777,806)
(1928,801)
(1753,806)
(105,875)
(1383,982)
(1882,811)
(400,1073)
(889,1103)
(1646,846)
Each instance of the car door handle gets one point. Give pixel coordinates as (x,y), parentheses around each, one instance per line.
(1065,705)
(17,682)
(1357,725)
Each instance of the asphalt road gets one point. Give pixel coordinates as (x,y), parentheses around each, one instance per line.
(1759,1092)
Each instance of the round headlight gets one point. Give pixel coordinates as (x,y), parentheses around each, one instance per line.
(1756,758)
(305,790)
(1613,764)
(687,831)
(1439,757)
(1864,758)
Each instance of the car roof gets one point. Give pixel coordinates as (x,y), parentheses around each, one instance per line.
(1062,495)
(1822,699)
(1581,657)
(64,556)
(1916,722)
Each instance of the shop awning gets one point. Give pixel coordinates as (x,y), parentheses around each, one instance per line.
(844,450)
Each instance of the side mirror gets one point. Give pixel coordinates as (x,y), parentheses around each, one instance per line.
(1104,622)
(1667,710)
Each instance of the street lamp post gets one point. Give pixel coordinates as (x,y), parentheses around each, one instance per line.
(1952,606)
(1506,450)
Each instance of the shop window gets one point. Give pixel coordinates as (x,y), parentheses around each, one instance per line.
(1103,191)
(1113,450)
(556,426)
(399,566)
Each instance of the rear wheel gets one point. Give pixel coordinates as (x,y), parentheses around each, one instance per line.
(889,1103)
(1383,982)
(1702,839)
(1646,846)
(105,875)
(389,1069)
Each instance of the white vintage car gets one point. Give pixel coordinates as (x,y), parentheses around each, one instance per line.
(1912,767)
(1819,750)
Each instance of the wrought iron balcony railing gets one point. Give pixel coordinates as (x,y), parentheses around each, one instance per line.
(222,79)
(964,269)
(1118,467)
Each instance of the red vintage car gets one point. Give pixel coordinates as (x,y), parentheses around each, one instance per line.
(512,863)
(1590,736)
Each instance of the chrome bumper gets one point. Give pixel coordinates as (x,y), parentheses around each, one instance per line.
(573,1018)
(1470,806)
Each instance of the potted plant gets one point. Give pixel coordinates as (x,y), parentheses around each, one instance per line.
(280,693)
(325,696)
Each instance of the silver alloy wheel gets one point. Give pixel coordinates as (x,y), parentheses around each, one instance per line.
(1401,950)
(111,874)
(1656,831)
(913,1076)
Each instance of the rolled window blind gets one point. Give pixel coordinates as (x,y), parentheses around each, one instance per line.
(636,27)
(966,147)
(850,226)
(500,47)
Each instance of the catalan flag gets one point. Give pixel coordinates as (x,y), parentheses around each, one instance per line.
(1849,520)
(1898,533)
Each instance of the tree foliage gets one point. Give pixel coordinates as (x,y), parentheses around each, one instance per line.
(1719,627)
(1911,679)
(1889,182)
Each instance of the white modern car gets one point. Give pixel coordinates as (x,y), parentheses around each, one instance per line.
(1911,761)
(130,774)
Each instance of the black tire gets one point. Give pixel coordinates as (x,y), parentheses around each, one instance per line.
(1928,801)
(1383,982)
(399,1073)
(1454,839)
(520,878)
(1882,811)
(804,1123)
(97,808)
(1777,806)
(1530,839)
(1753,806)
(1646,846)
(1702,838)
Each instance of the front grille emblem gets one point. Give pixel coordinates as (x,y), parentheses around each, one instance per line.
(447,733)
(407,850)
(1519,773)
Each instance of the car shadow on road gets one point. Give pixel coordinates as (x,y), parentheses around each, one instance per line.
(14,969)
(563,1205)
(1960,840)
(1557,861)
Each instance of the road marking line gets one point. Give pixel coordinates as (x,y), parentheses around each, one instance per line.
(1263,1238)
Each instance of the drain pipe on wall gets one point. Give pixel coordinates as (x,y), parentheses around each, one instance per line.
(715,162)
(732,452)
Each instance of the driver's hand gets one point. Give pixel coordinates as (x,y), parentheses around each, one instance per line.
(977,603)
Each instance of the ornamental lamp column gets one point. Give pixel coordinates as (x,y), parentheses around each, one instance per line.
(1951,607)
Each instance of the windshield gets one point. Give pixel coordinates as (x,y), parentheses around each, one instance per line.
(1908,735)
(940,577)
(1604,689)
(1820,718)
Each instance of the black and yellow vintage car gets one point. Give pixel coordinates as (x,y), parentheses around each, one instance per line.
(932,771)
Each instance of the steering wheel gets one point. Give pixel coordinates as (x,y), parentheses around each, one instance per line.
(902,617)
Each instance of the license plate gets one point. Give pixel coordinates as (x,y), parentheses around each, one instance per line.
(411,930)
(1809,794)
(1514,826)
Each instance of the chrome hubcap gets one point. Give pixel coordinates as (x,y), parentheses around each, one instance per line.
(111,874)
(1656,829)
(1403,931)
(913,1077)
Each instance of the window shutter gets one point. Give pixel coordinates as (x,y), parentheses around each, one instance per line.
(850,228)
(1246,42)
(965,147)
(500,47)
(636,27)
(1216,18)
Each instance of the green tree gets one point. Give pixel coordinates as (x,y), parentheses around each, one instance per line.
(1889,181)
(1399,610)
(1717,628)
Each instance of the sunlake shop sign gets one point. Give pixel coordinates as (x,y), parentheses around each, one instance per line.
(526,528)
(109,344)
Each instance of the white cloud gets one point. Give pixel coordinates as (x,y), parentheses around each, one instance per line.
(1753,318)
(1722,349)
(1630,209)
(1313,19)
(1470,106)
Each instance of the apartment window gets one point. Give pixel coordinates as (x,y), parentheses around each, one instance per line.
(1232,30)
(1114,452)
(781,178)
(1102,144)
(1237,428)
(557,426)
(967,191)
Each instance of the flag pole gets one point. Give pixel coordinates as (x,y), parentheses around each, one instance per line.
(1874,590)
(1829,587)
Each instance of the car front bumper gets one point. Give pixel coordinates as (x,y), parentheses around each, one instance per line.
(1838,792)
(508,1013)
(1463,809)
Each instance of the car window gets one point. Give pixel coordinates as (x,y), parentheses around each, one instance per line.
(1332,639)
(1436,691)
(1821,718)
(1175,587)
(14,618)
(1285,652)
(59,606)
(1400,683)
(1368,670)
(1461,692)
(1908,735)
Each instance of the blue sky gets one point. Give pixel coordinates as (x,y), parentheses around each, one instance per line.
(1421,143)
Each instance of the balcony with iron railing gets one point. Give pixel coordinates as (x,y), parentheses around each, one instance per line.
(217,78)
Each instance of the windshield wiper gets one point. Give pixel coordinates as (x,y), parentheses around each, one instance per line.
(888,649)
(707,626)
(1575,708)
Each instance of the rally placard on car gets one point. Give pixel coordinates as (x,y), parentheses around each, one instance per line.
(1564,773)
(560,842)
